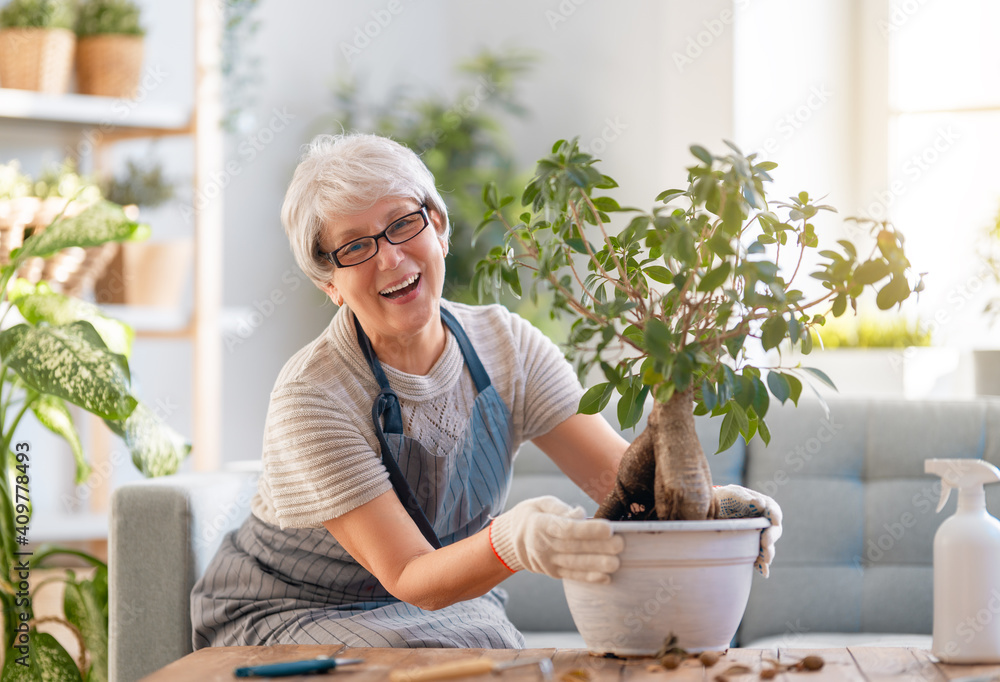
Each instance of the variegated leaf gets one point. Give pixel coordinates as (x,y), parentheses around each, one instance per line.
(53,414)
(71,362)
(157,450)
(39,303)
(101,223)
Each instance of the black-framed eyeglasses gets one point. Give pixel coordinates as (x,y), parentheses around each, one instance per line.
(357,251)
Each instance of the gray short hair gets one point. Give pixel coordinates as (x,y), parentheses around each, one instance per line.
(342,175)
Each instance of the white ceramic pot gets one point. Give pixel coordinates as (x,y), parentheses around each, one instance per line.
(689,578)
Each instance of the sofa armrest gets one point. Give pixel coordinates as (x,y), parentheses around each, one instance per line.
(163,534)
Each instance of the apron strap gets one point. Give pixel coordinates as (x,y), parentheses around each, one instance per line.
(386,409)
(387,405)
(479,376)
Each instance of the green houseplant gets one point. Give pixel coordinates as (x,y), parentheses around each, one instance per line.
(665,306)
(65,351)
(36,45)
(109,48)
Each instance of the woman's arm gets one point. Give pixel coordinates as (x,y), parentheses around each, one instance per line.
(383,538)
(588,450)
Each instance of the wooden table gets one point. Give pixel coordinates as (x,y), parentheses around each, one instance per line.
(854,664)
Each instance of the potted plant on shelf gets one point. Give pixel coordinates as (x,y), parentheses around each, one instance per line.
(109,48)
(146,273)
(65,351)
(666,307)
(36,45)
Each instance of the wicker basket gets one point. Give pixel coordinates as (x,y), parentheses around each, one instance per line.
(152,273)
(39,59)
(109,65)
(71,271)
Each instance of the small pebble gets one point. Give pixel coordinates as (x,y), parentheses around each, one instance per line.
(812,662)
(768,673)
(708,658)
(670,661)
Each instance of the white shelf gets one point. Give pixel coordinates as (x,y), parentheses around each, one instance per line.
(90,110)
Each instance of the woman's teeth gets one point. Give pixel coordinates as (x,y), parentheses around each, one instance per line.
(402,285)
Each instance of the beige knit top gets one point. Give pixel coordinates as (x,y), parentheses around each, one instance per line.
(321,456)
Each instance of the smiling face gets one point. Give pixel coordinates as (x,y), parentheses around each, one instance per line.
(396,293)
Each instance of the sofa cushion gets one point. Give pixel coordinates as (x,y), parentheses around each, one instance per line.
(857,546)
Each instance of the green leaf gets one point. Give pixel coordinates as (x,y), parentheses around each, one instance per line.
(773,331)
(761,399)
(659,274)
(765,433)
(39,303)
(101,223)
(740,416)
(821,375)
(658,339)
(728,433)
(668,194)
(85,605)
(896,291)
(157,450)
(596,398)
(708,394)
(702,154)
(794,388)
(715,278)
(71,362)
(53,414)
(778,384)
(47,661)
(871,271)
(606,204)
(631,405)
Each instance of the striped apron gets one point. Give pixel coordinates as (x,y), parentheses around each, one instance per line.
(299,586)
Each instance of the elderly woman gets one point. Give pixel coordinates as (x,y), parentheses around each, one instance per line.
(389,439)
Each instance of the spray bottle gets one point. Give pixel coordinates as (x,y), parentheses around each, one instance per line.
(966,566)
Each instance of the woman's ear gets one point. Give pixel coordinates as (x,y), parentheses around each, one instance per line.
(438,223)
(332,292)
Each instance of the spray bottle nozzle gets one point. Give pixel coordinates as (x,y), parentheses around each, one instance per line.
(968,475)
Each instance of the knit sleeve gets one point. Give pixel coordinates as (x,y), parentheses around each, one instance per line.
(317,463)
(551,390)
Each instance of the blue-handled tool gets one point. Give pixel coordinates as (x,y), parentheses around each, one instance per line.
(310,665)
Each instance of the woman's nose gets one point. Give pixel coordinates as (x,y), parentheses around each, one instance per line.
(389,255)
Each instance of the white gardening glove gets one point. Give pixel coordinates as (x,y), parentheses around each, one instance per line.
(736,502)
(546,535)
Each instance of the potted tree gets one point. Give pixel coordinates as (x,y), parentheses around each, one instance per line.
(65,351)
(109,48)
(36,45)
(666,308)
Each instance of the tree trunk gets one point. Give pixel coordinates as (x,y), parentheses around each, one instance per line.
(664,474)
